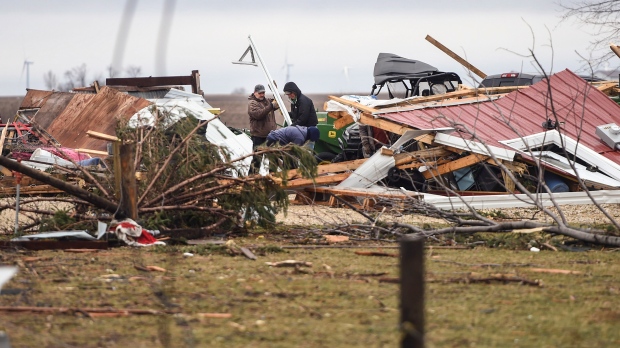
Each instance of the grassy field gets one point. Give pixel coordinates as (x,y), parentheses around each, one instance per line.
(340,301)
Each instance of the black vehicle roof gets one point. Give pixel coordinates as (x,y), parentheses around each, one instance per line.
(390,66)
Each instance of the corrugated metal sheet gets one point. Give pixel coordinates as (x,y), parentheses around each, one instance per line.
(53,105)
(575,102)
(96,112)
(35,99)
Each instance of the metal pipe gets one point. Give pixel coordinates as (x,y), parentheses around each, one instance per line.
(271,83)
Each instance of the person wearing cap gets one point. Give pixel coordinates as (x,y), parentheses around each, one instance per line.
(302,109)
(297,135)
(262,121)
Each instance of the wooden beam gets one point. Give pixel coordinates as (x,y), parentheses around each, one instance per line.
(386,151)
(351,103)
(389,126)
(332,167)
(340,166)
(94,152)
(98,201)
(3,137)
(426,138)
(430,153)
(454,165)
(474,92)
(319,180)
(343,121)
(102,136)
(129,197)
(337,114)
(608,87)
(153,81)
(615,49)
(456,57)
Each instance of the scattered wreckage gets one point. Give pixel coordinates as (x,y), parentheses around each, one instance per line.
(434,140)
(557,135)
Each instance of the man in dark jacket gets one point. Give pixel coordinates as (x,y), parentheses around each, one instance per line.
(302,109)
(262,121)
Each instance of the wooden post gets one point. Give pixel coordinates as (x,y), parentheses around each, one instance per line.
(412,292)
(116,157)
(129,193)
(456,57)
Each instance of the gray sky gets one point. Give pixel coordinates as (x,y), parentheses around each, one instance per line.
(319,38)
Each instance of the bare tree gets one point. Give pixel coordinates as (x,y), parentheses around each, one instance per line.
(133,71)
(112,72)
(602,15)
(51,82)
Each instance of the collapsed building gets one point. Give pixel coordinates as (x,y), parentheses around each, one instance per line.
(555,136)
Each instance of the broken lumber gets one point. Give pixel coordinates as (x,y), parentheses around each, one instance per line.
(319,180)
(456,57)
(432,153)
(454,165)
(94,152)
(615,49)
(390,126)
(332,167)
(247,253)
(95,200)
(215,315)
(343,121)
(102,136)
(351,103)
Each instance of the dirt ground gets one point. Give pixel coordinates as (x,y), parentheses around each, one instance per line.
(342,300)
(213,296)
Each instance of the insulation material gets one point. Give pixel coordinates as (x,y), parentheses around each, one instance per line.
(377,166)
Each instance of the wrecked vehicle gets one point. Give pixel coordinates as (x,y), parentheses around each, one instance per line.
(402,78)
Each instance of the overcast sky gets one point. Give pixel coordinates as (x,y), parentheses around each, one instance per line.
(319,38)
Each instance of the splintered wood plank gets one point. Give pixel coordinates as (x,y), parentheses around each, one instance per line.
(351,103)
(454,165)
(455,56)
(332,167)
(3,137)
(101,136)
(93,152)
(319,180)
(607,88)
(473,92)
(337,114)
(384,124)
(432,153)
(387,152)
(343,121)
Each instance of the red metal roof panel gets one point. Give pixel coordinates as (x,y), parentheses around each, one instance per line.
(578,106)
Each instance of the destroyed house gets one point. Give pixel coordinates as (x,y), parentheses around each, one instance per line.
(527,125)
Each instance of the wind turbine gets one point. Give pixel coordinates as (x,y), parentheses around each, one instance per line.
(27,68)
(345,71)
(287,66)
